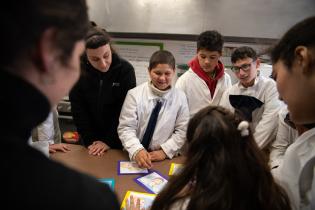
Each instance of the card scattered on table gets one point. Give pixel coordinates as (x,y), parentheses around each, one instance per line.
(146,199)
(109,182)
(152,182)
(175,168)
(130,167)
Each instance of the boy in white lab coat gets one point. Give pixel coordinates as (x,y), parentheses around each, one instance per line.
(205,81)
(168,135)
(255,96)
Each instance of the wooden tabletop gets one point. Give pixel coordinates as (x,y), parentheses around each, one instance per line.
(106,166)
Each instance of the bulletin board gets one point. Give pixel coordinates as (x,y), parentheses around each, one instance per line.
(138,53)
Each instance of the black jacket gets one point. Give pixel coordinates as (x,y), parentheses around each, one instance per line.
(29,179)
(97,99)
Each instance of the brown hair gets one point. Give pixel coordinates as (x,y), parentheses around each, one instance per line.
(162,57)
(210,40)
(224,169)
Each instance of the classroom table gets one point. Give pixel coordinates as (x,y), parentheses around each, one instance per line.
(106,166)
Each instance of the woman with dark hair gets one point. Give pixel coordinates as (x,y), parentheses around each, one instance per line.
(294,71)
(43,43)
(224,169)
(97,98)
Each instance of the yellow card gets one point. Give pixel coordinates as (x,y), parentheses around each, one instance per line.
(175,168)
(146,199)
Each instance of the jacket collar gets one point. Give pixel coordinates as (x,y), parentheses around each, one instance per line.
(23,106)
(256,81)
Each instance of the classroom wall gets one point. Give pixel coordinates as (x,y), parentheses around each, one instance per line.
(255,23)
(139,51)
(240,18)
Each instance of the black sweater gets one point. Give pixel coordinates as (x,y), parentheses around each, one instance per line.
(29,179)
(97,99)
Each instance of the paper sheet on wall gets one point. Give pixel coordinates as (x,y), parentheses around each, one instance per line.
(139,51)
(138,54)
(141,70)
(183,51)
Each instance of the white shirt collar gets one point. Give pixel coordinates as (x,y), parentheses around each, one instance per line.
(239,84)
(156,93)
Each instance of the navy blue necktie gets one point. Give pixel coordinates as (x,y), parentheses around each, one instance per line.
(151,125)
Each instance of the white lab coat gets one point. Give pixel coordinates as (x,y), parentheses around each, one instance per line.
(170,130)
(286,135)
(48,132)
(264,119)
(197,92)
(296,173)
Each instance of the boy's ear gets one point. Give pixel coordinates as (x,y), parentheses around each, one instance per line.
(257,63)
(46,51)
(303,58)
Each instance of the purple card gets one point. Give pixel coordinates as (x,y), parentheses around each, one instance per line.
(152,182)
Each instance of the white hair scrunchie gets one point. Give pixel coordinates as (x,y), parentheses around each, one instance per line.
(243,128)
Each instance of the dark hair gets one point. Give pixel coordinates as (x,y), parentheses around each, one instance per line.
(302,33)
(242,53)
(96,37)
(162,57)
(25,21)
(210,40)
(224,169)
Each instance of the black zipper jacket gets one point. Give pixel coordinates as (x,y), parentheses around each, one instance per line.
(97,99)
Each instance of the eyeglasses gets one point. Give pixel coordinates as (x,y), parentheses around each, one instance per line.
(245,67)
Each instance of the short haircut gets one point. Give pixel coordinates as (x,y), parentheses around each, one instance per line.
(162,57)
(242,53)
(24,22)
(303,33)
(210,40)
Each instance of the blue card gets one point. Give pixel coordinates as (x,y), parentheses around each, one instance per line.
(110,182)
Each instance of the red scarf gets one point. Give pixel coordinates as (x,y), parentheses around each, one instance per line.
(211,83)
